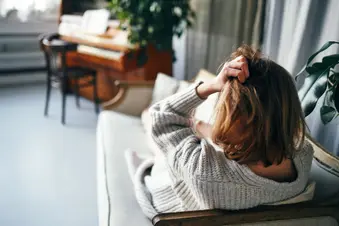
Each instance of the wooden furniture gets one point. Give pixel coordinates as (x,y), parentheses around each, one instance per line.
(110,69)
(110,56)
(255,215)
(60,72)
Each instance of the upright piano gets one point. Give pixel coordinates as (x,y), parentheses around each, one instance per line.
(110,54)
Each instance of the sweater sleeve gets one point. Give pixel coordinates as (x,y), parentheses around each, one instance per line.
(186,154)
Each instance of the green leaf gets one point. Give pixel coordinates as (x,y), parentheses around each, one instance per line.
(311,83)
(142,57)
(193,14)
(333,79)
(316,67)
(336,98)
(336,76)
(328,99)
(153,21)
(179,33)
(313,88)
(327,113)
(130,55)
(323,48)
(327,63)
(331,59)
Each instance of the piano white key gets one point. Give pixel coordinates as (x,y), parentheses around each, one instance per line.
(108,54)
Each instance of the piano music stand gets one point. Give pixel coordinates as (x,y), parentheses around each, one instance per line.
(53,47)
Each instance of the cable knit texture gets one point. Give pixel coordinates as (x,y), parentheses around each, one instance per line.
(197,176)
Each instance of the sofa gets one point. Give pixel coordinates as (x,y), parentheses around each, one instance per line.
(121,127)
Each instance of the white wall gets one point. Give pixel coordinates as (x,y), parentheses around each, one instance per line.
(179,46)
(23,78)
(23,50)
(8,27)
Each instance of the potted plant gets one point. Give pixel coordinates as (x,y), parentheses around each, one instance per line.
(321,79)
(152,22)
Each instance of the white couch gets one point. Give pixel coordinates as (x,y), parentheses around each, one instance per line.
(120,128)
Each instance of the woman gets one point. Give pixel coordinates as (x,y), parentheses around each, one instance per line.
(258,157)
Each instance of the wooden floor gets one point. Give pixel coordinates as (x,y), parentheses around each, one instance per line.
(47,171)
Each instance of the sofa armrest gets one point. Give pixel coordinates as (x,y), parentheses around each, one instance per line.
(132,97)
(258,214)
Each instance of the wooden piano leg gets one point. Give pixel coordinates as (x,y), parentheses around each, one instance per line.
(95,94)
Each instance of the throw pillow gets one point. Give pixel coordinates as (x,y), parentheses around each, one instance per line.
(164,86)
(183,85)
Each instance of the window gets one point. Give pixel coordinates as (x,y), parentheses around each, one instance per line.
(29,10)
(21,22)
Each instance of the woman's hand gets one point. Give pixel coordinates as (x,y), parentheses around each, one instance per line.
(235,68)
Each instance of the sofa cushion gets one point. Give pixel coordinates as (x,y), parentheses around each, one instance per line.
(116,200)
(146,120)
(164,86)
(183,85)
(325,172)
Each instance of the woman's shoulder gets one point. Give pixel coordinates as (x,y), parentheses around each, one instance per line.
(303,159)
(306,150)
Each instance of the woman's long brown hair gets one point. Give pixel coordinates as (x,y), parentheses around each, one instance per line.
(261,119)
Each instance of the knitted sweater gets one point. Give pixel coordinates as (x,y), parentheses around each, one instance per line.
(193,175)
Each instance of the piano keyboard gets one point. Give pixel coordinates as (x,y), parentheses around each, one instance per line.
(108,54)
(119,40)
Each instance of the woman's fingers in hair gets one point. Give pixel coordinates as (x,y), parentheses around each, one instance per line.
(237,73)
(237,69)
(241,63)
(240,59)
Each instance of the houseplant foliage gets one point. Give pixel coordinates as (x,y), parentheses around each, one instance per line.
(321,79)
(153,22)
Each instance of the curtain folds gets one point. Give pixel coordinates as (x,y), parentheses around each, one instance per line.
(294,29)
(21,11)
(221,26)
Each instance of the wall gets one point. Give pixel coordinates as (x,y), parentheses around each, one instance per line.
(179,45)
(19,49)
(19,46)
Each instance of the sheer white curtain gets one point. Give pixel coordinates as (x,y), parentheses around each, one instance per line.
(220,27)
(21,21)
(23,10)
(294,30)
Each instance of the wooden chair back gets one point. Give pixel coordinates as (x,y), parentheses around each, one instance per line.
(55,50)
